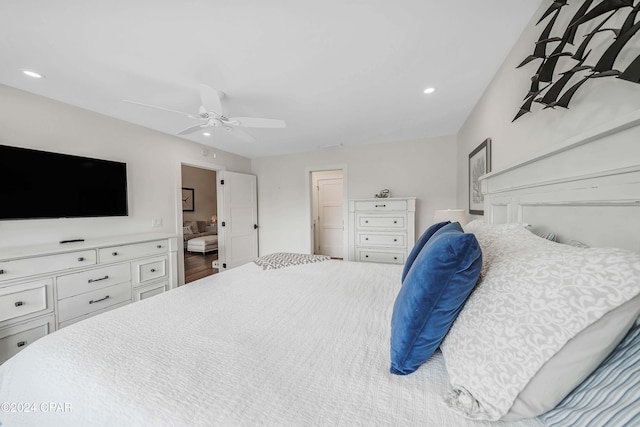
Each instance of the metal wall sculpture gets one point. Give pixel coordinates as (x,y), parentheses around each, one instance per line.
(550,80)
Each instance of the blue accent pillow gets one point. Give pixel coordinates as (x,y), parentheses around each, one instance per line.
(419,245)
(610,395)
(442,276)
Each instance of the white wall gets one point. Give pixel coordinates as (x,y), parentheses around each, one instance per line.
(424,168)
(598,102)
(153,165)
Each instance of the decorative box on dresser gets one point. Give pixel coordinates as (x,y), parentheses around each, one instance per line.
(381,230)
(47,287)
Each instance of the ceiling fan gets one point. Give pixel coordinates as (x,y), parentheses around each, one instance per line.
(210,116)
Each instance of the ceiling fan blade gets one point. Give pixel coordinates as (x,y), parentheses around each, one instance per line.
(192,129)
(160,108)
(255,122)
(239,133)
(210,99)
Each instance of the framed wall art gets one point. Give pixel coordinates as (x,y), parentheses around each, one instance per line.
(479,164)
(187,200)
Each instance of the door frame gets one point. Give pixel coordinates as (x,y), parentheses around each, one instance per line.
(345,203)
(178,207)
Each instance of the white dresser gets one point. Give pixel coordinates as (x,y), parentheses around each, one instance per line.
(46,287)
(381,230)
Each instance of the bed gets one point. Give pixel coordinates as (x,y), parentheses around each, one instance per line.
(181,359)
(309,344)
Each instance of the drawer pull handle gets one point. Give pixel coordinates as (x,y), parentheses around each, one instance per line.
(366,222)
(22,343)
(366,238)
(395,222)
(114,253)
(2,271)
(366,256)
(97,280)
(19,303)
(81,259)
(395,240)
(159,246)
(381,206)
(395,257)
(153,270)
(98,300)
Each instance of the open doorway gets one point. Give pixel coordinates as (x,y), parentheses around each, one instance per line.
(327,213)
(199,222)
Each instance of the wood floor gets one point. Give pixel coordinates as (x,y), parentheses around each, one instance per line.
(197,266)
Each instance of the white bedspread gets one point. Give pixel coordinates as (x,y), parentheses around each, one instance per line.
(304,345)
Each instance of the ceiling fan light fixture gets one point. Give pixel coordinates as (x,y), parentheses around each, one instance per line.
(33,74)
(429,90)
(210,116)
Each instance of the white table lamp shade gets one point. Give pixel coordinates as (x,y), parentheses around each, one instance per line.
(453,215)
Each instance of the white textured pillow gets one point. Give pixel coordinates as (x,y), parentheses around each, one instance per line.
(534,296)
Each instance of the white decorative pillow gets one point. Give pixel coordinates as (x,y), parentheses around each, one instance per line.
(488,235)
(286,259)
(533,297)
(187,230)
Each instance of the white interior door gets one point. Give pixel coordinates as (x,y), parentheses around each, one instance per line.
(330,217)
(237,227)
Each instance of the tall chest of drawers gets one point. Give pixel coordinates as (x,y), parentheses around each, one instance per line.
(49,287)
(381,230)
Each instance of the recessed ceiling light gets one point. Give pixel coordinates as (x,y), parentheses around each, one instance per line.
(32,74)
(206,133)
(327,147)
(429,90)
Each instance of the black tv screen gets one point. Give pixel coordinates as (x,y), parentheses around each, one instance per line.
(39,184)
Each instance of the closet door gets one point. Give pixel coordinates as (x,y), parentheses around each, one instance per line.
(238,225)
(330,217)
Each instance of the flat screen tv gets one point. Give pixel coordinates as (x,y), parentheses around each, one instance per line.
(39,184)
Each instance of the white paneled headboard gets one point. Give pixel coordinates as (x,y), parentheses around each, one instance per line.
(586,189)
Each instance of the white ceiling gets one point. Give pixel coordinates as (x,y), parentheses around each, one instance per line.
(337,71)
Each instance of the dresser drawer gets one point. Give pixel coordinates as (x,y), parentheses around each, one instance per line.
(93,313)
(90,302)
(136,250)
(18,268)
(25,299)
(395,222)
(150,290)
(149,269)
(397,240)
(384,257)
(17,337)
(382,205)
(78,283)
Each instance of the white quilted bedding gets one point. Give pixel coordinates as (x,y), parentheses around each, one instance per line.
(299,346)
